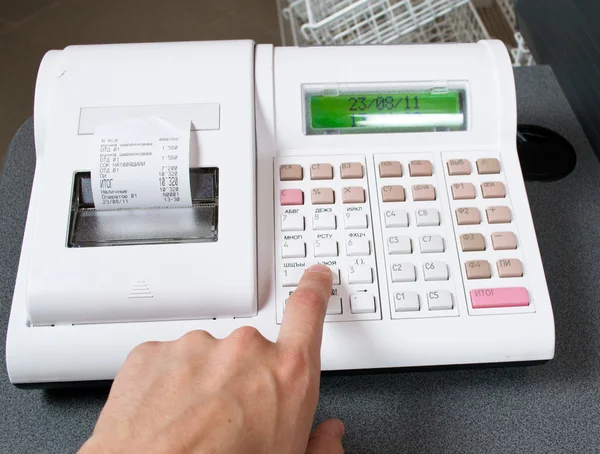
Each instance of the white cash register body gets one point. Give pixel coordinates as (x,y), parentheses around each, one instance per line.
(78,311)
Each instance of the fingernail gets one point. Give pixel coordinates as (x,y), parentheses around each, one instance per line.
(341,429)
(318,269)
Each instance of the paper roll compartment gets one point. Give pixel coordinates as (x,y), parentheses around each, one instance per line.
(89,227)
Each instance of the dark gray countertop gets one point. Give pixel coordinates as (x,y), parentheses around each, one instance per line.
(549,408)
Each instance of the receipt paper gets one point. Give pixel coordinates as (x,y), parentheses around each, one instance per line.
(141,163)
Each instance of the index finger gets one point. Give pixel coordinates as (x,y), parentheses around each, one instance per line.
(302,325)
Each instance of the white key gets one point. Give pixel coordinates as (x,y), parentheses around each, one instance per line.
(396,218)
(431,243)
(358,246)
(440,300)
(362,303)
(360,274)
(355,220)
(403,272)
(399,245)
(427,218)
(290,277)
(336,275)
(406,301)
(292,223)
(293,249)
(334,306)
(324,221)
(326,248)
(435,271)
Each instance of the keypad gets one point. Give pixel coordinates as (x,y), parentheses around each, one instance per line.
(488,248)
(444,240)
(324,213)
(417,233)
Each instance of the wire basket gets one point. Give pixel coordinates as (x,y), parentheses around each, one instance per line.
(338,22)
(508,9)
(382,21)
(521,54)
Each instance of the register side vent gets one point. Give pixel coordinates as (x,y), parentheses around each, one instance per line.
(140,290)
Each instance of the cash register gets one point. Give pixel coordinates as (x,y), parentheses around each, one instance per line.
(187,186)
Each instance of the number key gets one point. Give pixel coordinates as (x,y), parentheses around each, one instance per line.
(292,249)
(324,221)
(292,223)
(355,220)
(358,246)
(360,274)
(325,248)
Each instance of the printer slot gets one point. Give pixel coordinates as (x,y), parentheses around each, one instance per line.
(89,227)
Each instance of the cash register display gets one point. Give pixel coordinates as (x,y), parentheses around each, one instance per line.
(385,112)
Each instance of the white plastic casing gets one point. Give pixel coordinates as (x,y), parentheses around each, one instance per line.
(92,285)
(54,282)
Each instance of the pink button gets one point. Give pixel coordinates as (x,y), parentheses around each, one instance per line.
(486,298)
(291,197)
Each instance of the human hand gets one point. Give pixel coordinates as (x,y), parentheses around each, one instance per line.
(241,394)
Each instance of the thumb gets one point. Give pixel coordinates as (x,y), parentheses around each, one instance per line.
(326,438)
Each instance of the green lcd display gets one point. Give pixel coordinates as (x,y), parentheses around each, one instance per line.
(401,111)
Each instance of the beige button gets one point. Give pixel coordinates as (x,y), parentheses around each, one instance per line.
(504,240)
(290,172)
(467,216)
(459,167)
(351,170)
(462,191)
(423,192)
(471,242)
(390,169)
(393,194)
(420,168)
(493,190)
(478,269)
(321,172)
(353,194)
(488,165)
(498,215)
(320,196)
(509,268)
